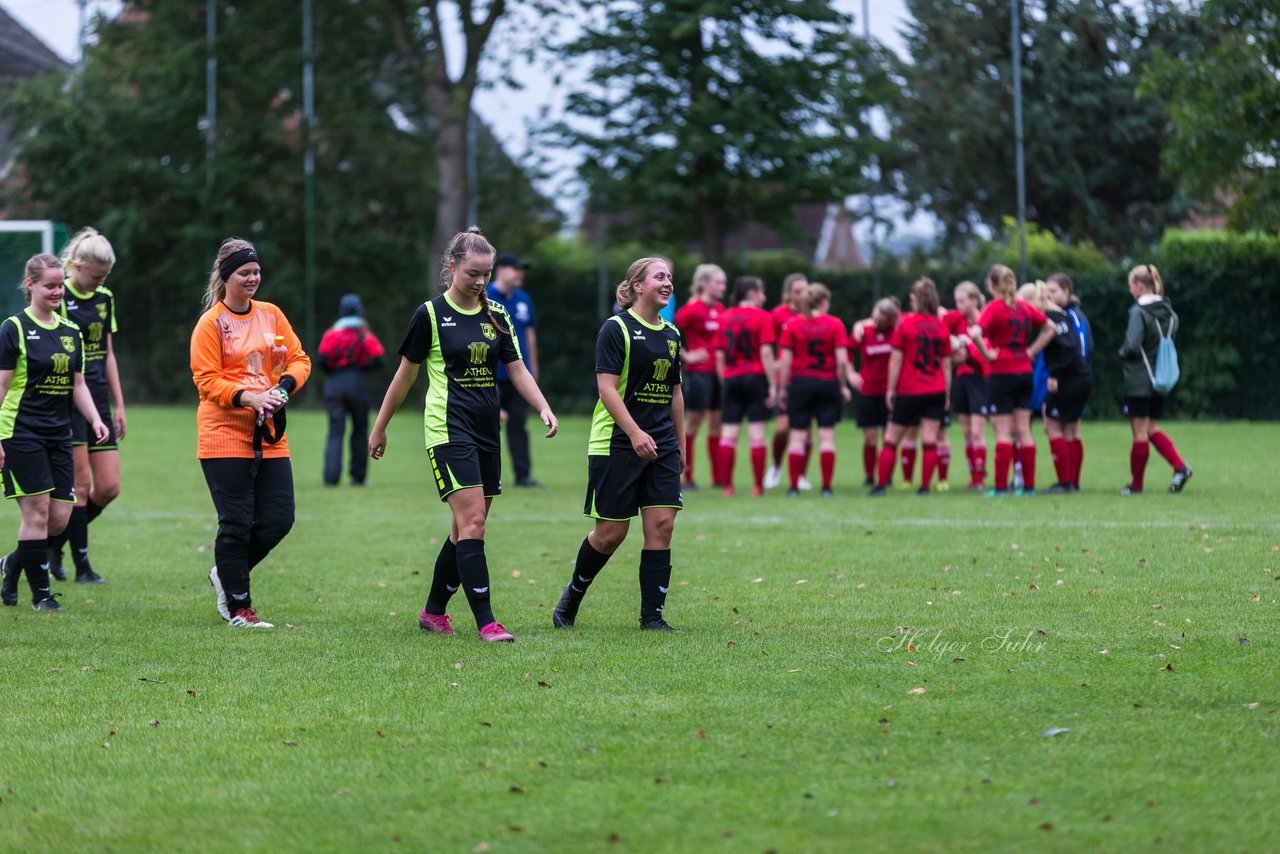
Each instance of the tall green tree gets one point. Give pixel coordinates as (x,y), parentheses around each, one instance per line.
(1092,147)
(119,147)
(698,116)
(1222,96)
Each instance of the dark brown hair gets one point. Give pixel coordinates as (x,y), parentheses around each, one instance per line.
(926,294)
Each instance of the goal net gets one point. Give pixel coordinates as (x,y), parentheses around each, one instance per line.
(19,240)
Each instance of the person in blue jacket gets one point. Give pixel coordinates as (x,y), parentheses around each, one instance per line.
(507,289)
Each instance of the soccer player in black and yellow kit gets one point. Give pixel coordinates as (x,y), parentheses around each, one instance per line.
(634,457)
(460,336)
(87,303)
(41,357)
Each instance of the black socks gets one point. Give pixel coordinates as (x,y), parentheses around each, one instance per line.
(473,573)
(444,581)
(91,510)
(586,568)
(655,576)
(77,535)
(33,556)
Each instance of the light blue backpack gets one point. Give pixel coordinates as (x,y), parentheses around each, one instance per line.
(1166,373)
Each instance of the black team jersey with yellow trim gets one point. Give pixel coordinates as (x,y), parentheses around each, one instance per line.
(95,314)
(646,359)
(44,360)
(461,350)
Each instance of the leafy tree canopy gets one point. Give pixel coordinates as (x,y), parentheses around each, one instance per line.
(120,147)
(1222,95)
(1092,148)
(700,115)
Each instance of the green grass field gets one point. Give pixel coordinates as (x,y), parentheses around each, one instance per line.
(853,674)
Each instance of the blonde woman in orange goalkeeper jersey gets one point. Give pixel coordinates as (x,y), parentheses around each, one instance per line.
(246,361)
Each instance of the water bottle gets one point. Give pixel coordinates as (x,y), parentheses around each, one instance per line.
(279,359)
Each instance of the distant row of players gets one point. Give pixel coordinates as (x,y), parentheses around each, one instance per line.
(908,374)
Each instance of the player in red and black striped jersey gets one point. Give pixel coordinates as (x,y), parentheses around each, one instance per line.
(919,383)
(871,345)
(699,323)
(1006,334)
(41,364)
(792,305)
(750,387)
(815,360)
(969,384)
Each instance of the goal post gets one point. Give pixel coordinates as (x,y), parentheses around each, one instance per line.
(19,240)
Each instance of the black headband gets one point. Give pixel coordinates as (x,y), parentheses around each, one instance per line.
(235,261)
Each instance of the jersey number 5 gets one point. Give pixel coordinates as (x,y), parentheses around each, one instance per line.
(817,354)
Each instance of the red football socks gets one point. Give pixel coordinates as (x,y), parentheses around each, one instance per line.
(944,463)
(928,464)
(1164,446)
(1004,462)
(728,450)
(908,461)
(827,459)
(888,456)
(713,451)
(795,467)
(759,456)
(869,457)
(779,446)
(1063,456)
(688,457)
(979,465)
(1077,460)
(1138,456)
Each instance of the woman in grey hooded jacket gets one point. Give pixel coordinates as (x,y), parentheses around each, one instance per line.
(1150,316)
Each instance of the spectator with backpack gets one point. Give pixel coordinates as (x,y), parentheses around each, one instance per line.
(1149,361)
(346,351)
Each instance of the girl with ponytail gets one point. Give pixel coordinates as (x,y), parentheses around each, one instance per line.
(1006,335)
(634,457)
(461,337)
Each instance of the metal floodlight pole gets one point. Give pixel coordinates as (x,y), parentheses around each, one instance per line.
(210,91)
(871,197)
(308,179)
(80,35)
(1020,165)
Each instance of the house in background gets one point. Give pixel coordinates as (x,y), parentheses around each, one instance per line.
(22,55)
(824,233)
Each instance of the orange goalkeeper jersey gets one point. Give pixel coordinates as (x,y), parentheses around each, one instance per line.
(231,353)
